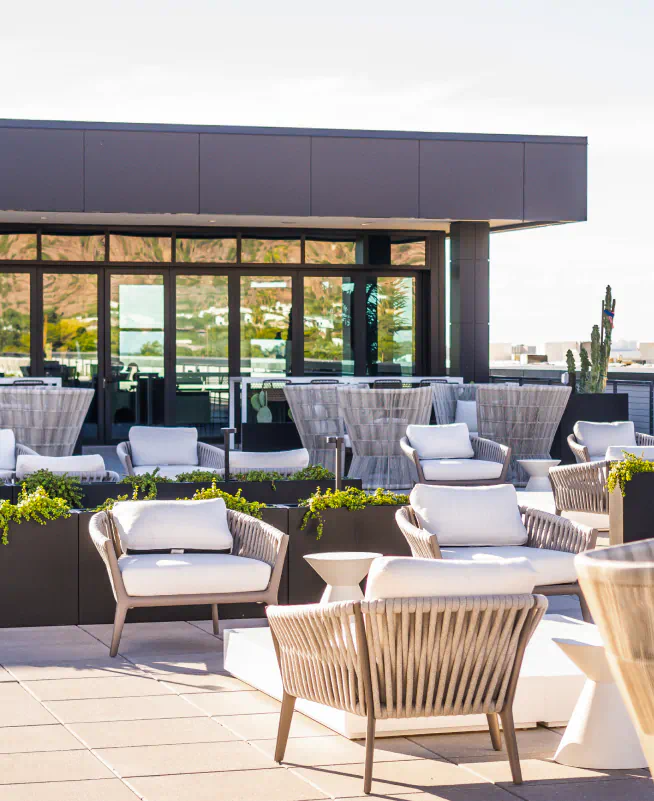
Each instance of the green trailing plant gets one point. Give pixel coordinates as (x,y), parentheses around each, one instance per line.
(108,504)
(314,472)
(350,498)
(36,505)
(197,476)
(259,402)
(145,484)
(622,472)
(594,367)
(235,502)
(56,486)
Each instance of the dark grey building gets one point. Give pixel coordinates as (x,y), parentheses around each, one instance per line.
(156,261)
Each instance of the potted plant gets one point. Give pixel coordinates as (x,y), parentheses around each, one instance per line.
(630,485)
(589,400)
(341,520)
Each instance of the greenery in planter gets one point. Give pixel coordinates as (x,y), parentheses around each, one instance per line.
(350,498)
(56,486)
(145,484)
(594,368)
(314,472)
(235,502)
(36,505)
(622,472)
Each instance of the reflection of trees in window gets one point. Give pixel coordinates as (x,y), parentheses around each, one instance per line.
(205,250)
(408,252)
(202,316)
(70,312)
(72,248)
(270,251)
(391,320)
(265,314)
(18,246)
(329,252)
(15,313)
(326,316)
(140,248)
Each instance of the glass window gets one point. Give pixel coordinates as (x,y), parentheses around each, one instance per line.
(391,323)
(202,373)
(72,248)
(328,325)
(205,250)
(270,251)
(330,251)
(266,325)
(139,248)
(70,336)
(16,247)
(15,324)
(407,251)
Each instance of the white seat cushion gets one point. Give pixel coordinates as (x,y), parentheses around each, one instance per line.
(441,442)
(597,437)
(161,525)
(192,574)
(408,577)
(163,446)
(7,449)
(91,464)
(459,469)
(466,412)
(616,452)
(173,470)
(597,458)
(268,460)
(470,515)
(552,567)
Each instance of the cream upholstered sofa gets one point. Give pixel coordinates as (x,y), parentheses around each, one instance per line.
(589,441)
(449,454)
(177,553)
(87,468)
(172,450)
(10,452)
(486,524)
(419,645)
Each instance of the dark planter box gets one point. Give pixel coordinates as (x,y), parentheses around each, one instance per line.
(96,600)
(605,408)
(8,492)
(370,529)
(269,437)
(630,518)
(38,574)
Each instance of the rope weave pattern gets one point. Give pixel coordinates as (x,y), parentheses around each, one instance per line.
(253,538)
(581,487)
(423,545)
(317,414)
(554,533)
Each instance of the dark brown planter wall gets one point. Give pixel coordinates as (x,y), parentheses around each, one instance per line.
(630,518)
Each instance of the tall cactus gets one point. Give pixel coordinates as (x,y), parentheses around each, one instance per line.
(594,368)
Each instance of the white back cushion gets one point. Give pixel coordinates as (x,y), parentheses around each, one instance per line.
(616,452)
(152,525)
(408,577)
(470,515)
(163,445)
(91,463)
(441,442)
(7,449)
(275,460)
(597,437)
(466,412)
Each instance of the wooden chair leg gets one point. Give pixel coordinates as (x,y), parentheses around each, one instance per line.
(285,718)
(215,619)
(370,753)
(119,622)
(511,744)
(585,611)
(495,733)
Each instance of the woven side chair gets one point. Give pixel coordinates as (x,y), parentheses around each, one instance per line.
(484,450)
(209,456)
(406,658)
(544,530)
(253,539)
(581,488)
(581,454)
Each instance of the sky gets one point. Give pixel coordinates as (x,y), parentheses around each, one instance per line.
(579,68)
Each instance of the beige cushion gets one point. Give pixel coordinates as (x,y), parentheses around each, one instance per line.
(173,470)
(408,577)
(552,567)
(90,464)
(441,442)
(470,515)
(616,452)
(162,446)
(151,525)
(460,469)
(268,460)
(466,412)
(192,574)
(7,449)
(597,437)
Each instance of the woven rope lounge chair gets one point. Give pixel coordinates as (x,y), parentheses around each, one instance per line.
(589,441)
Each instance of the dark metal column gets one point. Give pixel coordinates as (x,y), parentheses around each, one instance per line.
(436,319)
(469,300)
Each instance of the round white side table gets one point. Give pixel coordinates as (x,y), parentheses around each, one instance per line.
(600,733)
(538,472)
(342,571)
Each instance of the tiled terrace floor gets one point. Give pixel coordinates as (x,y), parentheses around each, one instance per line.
(163,722)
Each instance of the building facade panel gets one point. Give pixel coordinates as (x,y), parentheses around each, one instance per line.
(555,182)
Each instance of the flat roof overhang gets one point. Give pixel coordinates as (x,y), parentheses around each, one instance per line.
(141,175)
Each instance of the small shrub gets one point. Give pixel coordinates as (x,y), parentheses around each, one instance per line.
(63,486)
(622,472)
(234,502)
(145,484)
(350,498)
(36,505)
(198,476)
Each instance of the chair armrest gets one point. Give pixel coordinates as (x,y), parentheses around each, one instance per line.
(100,532)
(554,533)
(423,544)
(23,450)
(581,487)
(412,455)
(210,456)
(255,539)
(644,439)
(124,451)
(490,451)
(580,452)
(111,477)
